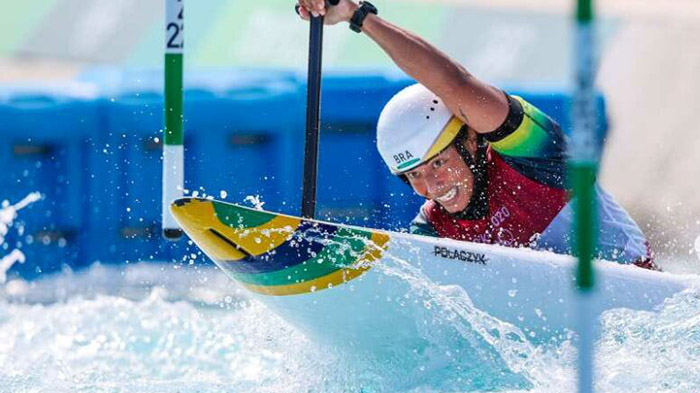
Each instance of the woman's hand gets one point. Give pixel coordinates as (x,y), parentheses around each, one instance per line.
(332,14)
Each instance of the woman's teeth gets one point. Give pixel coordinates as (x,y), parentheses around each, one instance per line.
(448,196)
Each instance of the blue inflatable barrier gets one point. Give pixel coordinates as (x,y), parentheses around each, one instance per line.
(45,133)
(239,139)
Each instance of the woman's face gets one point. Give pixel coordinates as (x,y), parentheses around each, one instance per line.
(446,179)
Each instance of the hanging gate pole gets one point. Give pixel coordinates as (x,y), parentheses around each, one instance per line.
(173,151)
(583,168)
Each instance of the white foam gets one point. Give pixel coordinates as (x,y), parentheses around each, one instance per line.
(146,327)
(8,214)
(256,201)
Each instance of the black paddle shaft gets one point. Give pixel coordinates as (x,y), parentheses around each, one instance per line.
(313,115)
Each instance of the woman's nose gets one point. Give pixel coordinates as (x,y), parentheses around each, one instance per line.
(434,182)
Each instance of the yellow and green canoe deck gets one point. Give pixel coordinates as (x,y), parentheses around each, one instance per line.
(275,254)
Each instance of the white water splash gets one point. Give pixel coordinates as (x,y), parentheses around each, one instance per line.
(256,201)
(651,351)
(8,261)
(145,328)
(697,247)
(636,349)
(189,330)
(8,213)
(462,334)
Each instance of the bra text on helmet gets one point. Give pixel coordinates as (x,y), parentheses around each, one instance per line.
(403,157)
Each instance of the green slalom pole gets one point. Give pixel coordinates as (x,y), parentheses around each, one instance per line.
(173,151)
(583,168)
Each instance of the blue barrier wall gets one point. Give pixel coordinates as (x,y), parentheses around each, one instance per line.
(45,135)
(92,148)
(239,135)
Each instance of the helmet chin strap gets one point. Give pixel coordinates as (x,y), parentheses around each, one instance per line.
(478,205)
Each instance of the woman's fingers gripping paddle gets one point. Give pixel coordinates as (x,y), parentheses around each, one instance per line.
(333,11)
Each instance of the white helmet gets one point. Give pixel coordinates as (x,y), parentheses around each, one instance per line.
(414,126)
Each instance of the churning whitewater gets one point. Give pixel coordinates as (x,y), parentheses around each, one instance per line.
(161,327)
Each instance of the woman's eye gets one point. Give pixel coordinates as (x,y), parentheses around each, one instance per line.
(438,163)
(412,175)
